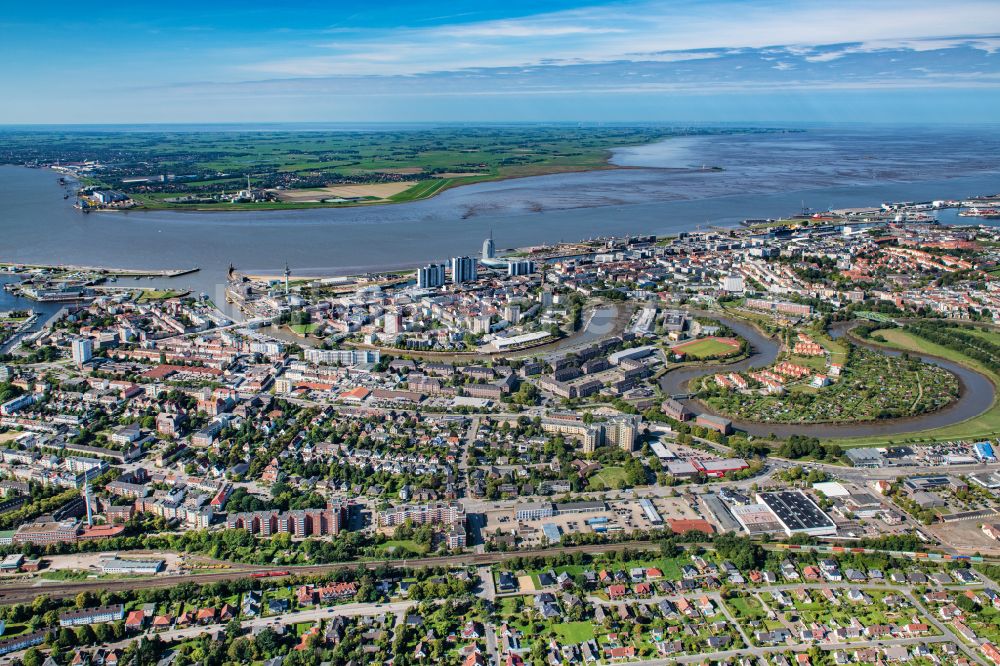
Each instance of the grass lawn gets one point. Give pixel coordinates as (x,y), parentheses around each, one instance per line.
(510,606)
(607,479)
(746,607)
(814,363)
(671,567)
(707,347)
(992,337)
(303,329)
(15,630)
(837,349)
(897,337)
(429,188)
(574,632)
(986,623)
(985,425)
(408,545)
(65,574)
(149,295)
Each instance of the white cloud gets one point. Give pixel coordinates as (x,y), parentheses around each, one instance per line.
(520,29)
(661,31)
(988,43)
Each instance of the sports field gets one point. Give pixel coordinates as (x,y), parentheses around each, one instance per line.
(708,347)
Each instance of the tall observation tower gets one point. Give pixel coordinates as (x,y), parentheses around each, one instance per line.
(288,272)
(489,251)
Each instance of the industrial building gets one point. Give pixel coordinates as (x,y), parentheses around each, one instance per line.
(865,458)
(717,423)
(798,513)
(652,515)
(141,567)
(756,519)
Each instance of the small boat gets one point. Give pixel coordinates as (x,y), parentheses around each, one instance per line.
(982,213)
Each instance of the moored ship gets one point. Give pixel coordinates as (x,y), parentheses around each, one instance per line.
(982,213)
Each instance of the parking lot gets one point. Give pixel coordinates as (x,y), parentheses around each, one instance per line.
(619,516)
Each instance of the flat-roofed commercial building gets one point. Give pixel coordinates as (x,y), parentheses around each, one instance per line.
(534,511)
(719,468)
(551,532)
(12,562)
(660,451)
(589,506)
(115,565)
(866,458)
(756,519)
(798,513)
(682,469)
(652,515)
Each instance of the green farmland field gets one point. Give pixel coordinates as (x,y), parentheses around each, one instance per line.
(192,169)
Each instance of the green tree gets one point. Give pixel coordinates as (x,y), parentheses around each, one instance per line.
(33,657)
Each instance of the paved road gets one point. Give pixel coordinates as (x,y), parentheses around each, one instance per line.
(470,441)
(488,585)
(801,647)
(466,455)
(947,635)
(492,647)
(398,608)
(944,629)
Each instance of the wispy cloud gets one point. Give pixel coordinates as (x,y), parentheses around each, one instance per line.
(725,71)
(322,61)
(520,29)
(655,31)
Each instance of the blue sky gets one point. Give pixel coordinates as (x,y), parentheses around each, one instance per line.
(429,60)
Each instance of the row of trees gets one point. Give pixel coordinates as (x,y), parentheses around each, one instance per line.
(964,342)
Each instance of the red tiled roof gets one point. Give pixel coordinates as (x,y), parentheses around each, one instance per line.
(682,525)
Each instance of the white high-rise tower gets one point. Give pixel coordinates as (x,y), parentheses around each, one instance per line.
(86,500)
(489,250)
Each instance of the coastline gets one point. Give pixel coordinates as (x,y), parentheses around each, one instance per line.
(537,211)
(289,206)
(109,270)
(614,158)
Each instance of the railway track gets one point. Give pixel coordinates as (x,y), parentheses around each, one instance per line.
(26,591)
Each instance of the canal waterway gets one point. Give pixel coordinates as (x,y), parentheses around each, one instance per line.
(977,391)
